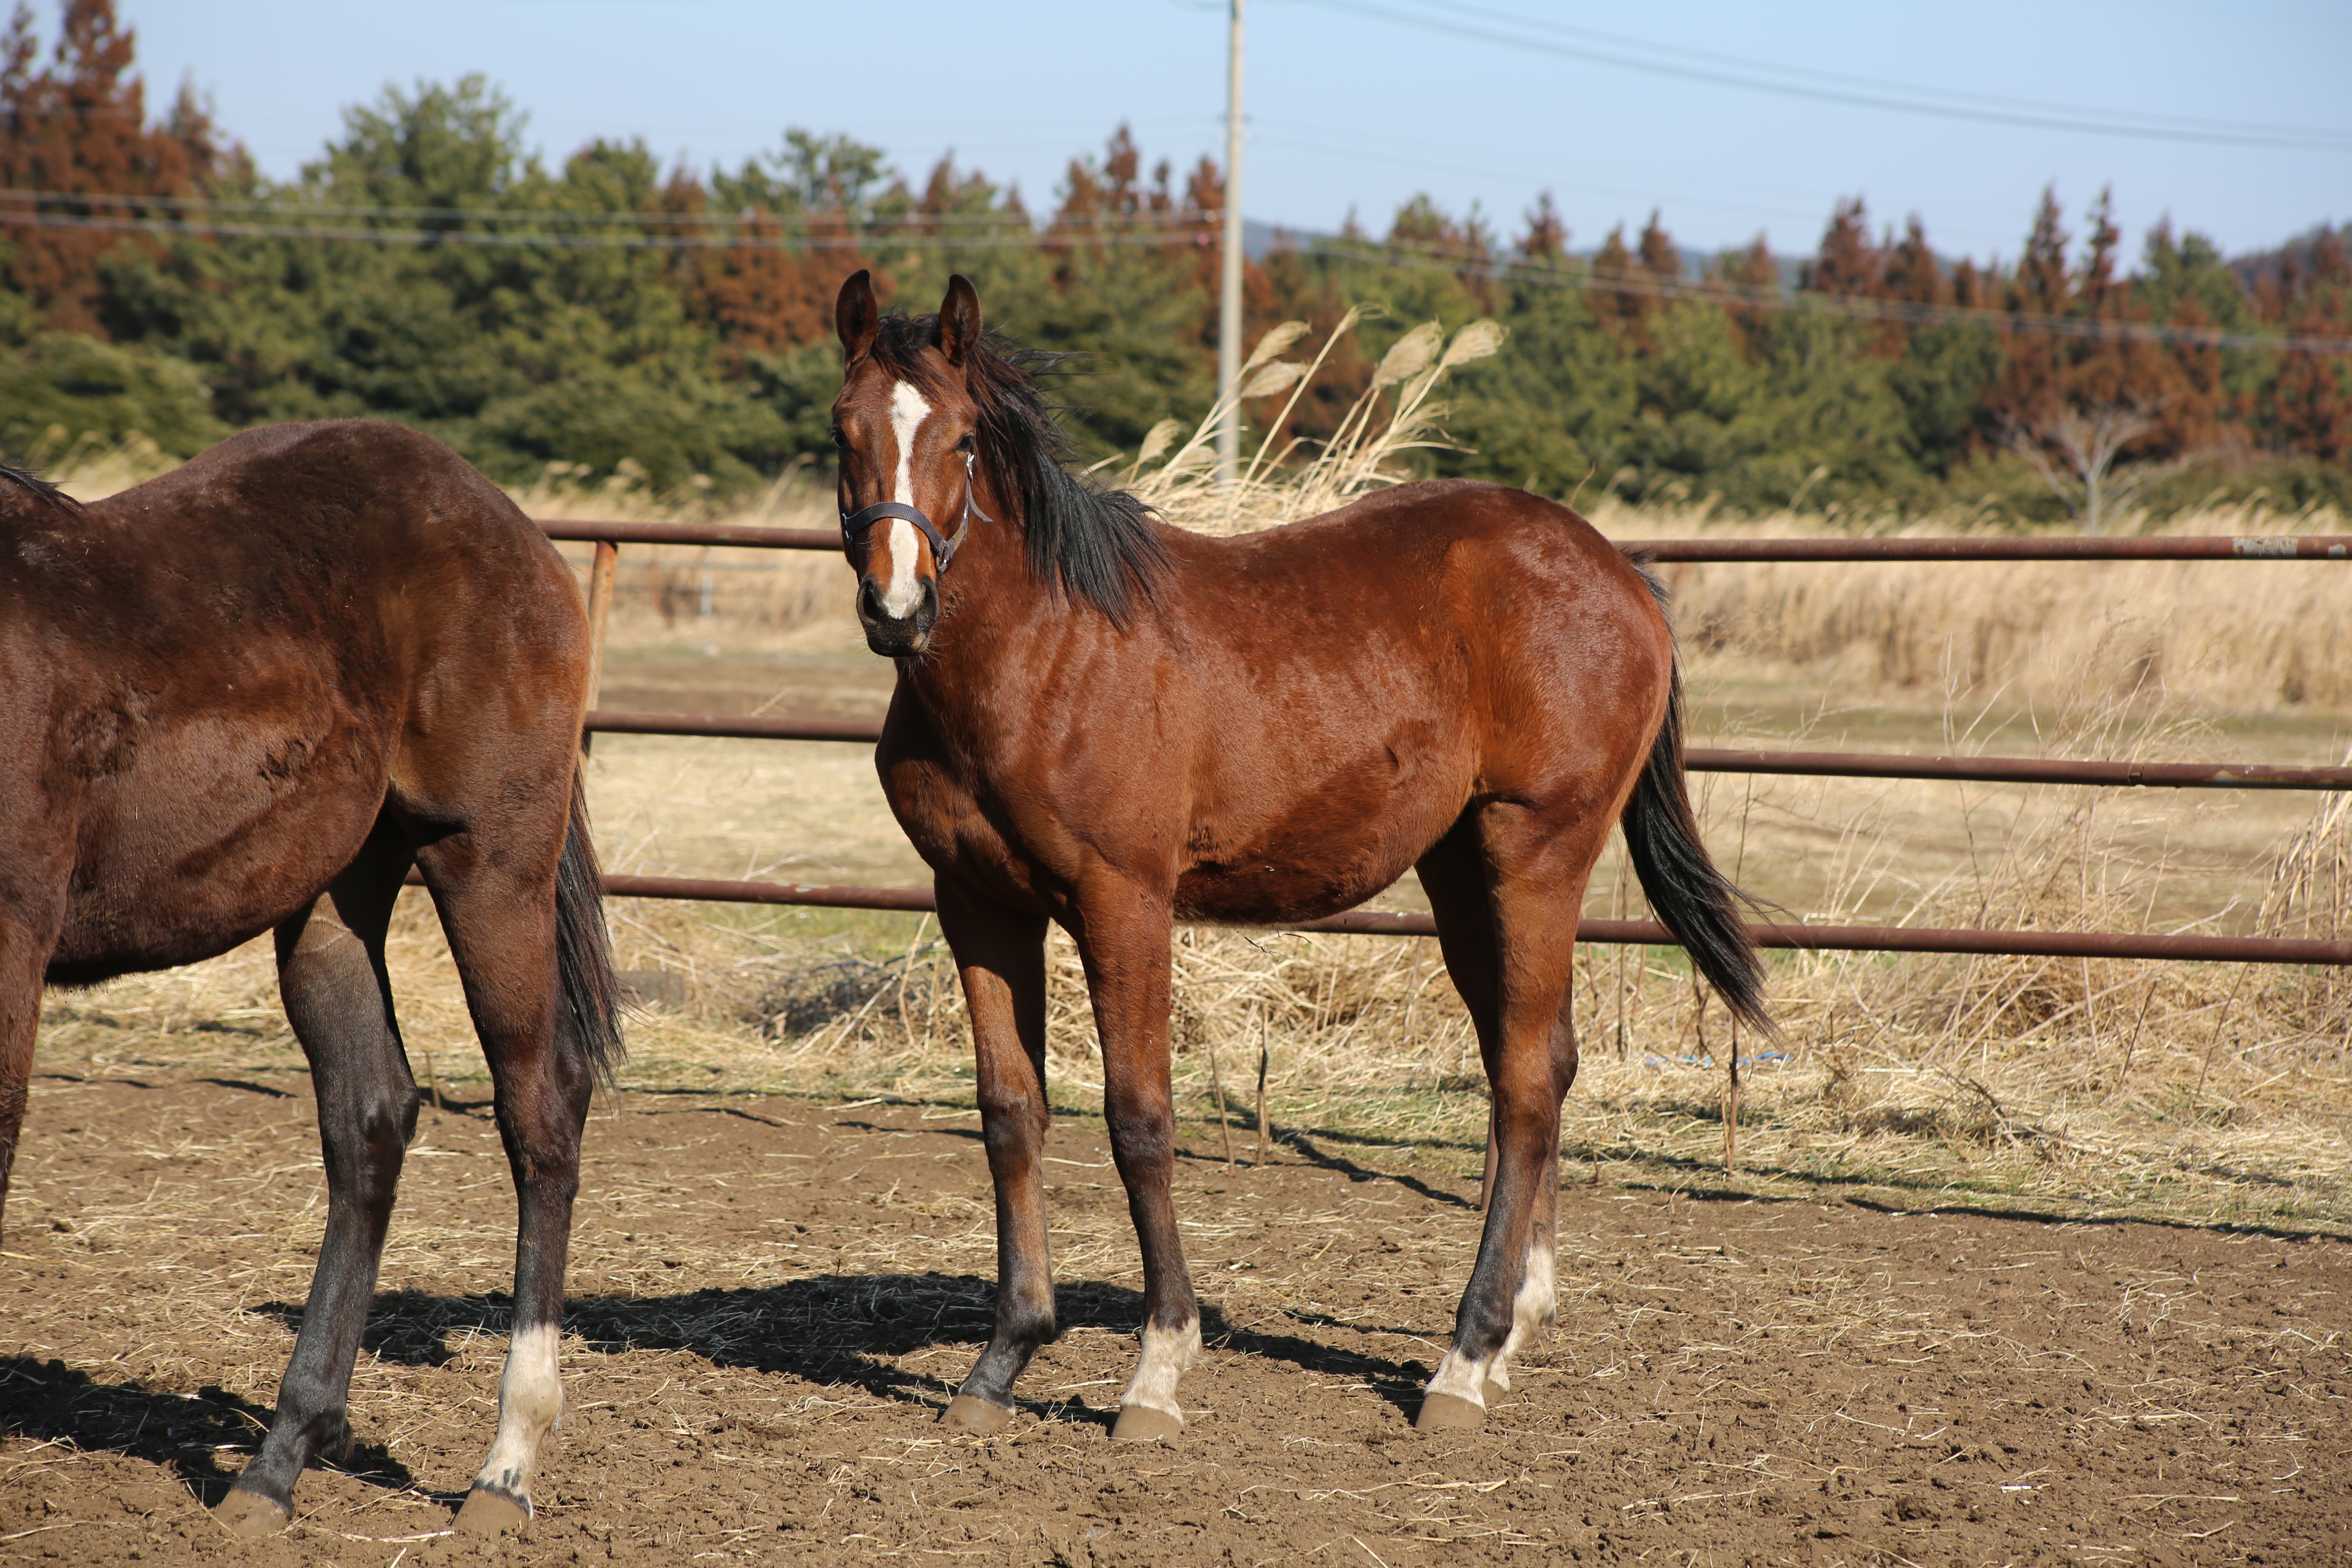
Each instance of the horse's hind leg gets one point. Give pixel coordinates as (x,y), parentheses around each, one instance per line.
(500,916)
(1507,888)
(24,956)
(331,975)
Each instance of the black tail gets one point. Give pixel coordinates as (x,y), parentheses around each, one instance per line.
(1693,900)
(583,950)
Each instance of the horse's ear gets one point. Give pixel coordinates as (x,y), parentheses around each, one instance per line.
(958,320)
(855,316)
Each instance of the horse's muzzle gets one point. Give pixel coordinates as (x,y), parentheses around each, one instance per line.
(896,636)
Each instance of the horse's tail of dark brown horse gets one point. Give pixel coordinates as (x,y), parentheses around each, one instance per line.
(1692,899)
(583,948)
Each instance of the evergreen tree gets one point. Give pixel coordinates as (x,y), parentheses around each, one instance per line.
(605,311)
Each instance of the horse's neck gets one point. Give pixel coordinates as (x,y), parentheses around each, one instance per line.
(1001,628)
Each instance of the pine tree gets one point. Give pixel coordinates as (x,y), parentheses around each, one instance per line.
(1661,257)
(1911,273)
(1847,264)
(2310,404)
(1545,239)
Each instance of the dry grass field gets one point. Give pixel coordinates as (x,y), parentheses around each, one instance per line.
(2157,1158)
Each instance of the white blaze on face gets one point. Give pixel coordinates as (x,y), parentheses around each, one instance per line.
(908,411)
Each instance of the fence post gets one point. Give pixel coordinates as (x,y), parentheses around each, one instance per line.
(600,610)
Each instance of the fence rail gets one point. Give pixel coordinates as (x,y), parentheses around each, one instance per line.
(1637,933)
(1697,759)
(2199,547)
(1840,764)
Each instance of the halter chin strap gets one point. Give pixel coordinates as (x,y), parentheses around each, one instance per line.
(857,524)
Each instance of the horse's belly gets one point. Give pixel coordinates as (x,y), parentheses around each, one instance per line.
(1342,835)
(1303,876)
(193,851)
(1262,895)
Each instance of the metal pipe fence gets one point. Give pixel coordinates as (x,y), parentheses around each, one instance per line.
(607,536)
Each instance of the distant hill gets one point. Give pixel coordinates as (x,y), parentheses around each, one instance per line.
(1259,238)
(2257,265)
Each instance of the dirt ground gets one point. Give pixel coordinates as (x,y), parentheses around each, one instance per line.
(772,1296)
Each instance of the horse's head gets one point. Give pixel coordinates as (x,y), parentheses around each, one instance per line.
(907,432)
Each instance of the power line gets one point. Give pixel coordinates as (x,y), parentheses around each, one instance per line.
(1758,76)
(283,209)
(1026,239)
(1400,254)
(1839,79)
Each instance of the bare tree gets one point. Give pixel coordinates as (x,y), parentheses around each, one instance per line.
(2079,453)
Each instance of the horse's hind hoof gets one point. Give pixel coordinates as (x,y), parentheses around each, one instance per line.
(1146,1424)
(250,1514)
(491,1512)
(976,1415)
(1449,1412)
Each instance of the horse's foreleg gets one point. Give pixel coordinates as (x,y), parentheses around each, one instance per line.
(1001,958)
(24,956)
(1123,937)
(501,934)
(1510,953)
(330,977)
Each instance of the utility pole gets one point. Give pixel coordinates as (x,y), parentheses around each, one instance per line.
(1229,297)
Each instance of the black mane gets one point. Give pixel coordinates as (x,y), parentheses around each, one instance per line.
(41,489)
(1096,545)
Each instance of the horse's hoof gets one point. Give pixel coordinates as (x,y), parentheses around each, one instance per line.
(976,1415)
(1146,1424)
(488,1512)
(1496,1393)
(250,1514)
(1448,1413)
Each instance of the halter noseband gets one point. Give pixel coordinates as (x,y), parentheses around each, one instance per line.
(857,524)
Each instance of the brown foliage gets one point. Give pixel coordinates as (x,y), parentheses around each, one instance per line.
(79,125)
(1848,264)
(2313,402)
(759,295)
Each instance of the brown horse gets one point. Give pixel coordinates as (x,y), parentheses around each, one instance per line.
(1114,724)
(248,696)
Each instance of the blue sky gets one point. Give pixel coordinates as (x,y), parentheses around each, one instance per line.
(1352,110)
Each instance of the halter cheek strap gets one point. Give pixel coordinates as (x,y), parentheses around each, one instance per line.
(856,525)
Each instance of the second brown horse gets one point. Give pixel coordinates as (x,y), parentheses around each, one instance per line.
(1115,724)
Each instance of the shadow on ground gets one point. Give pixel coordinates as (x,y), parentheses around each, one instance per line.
(832,1329)
(204,1438)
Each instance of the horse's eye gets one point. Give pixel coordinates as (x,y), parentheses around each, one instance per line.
(840,438)
(966,444)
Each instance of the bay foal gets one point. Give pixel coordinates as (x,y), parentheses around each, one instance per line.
(247,697)
(1113,724)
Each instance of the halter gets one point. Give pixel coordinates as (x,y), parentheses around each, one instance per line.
(856,525)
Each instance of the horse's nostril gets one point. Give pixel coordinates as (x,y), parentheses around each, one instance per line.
(869,600)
